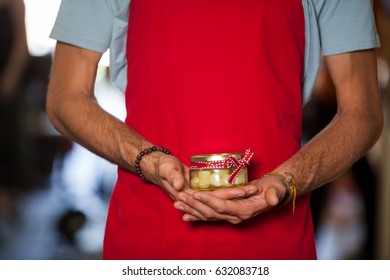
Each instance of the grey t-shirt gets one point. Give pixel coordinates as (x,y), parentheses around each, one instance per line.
(331,27)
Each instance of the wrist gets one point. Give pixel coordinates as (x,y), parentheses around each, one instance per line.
(154,150)
(289,181)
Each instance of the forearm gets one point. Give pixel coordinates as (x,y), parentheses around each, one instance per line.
(76,114)
(355,128)
(72,108)
(84,121)
(333,150)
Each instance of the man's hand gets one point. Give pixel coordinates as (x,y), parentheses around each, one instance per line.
(170,174)
(233,205)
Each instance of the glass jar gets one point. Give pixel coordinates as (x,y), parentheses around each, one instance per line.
(214,171)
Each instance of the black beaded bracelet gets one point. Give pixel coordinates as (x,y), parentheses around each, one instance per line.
(144,153)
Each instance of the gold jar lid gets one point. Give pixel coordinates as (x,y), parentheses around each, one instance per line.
(215,157)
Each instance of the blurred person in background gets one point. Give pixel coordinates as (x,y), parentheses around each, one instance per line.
(252,62)
(14,51)
(14,57)
(13,62)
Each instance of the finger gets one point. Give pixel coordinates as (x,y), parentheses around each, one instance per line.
(191,218)
(181,178)
(178,182)
(232,220)
(169,189)
(272,196)
(237,192)
(190,214)
(175,178)
(252,189)
(208,203)
(204,209)
(187,173)
(230,193)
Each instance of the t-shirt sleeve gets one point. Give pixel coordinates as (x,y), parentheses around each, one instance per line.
(347,25)
(84,23)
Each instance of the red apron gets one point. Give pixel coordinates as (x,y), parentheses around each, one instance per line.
(212,76)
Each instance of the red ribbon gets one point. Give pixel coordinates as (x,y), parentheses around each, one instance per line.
(229,162)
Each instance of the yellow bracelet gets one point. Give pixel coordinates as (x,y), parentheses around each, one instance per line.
(291,187)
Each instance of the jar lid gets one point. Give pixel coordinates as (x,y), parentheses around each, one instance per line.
(215,157)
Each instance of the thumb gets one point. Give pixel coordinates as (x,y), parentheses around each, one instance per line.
(177,179)
(272,196)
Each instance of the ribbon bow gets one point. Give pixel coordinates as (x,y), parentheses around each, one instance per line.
(229,162)
(239,163)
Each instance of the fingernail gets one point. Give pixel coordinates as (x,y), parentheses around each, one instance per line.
(252,191)
(182,198)
(241,194)
(179,207)
(188,218)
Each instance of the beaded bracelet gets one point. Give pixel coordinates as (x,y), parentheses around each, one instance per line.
(144,153)
(291,188)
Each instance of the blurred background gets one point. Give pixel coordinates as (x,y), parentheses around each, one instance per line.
(54,193)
